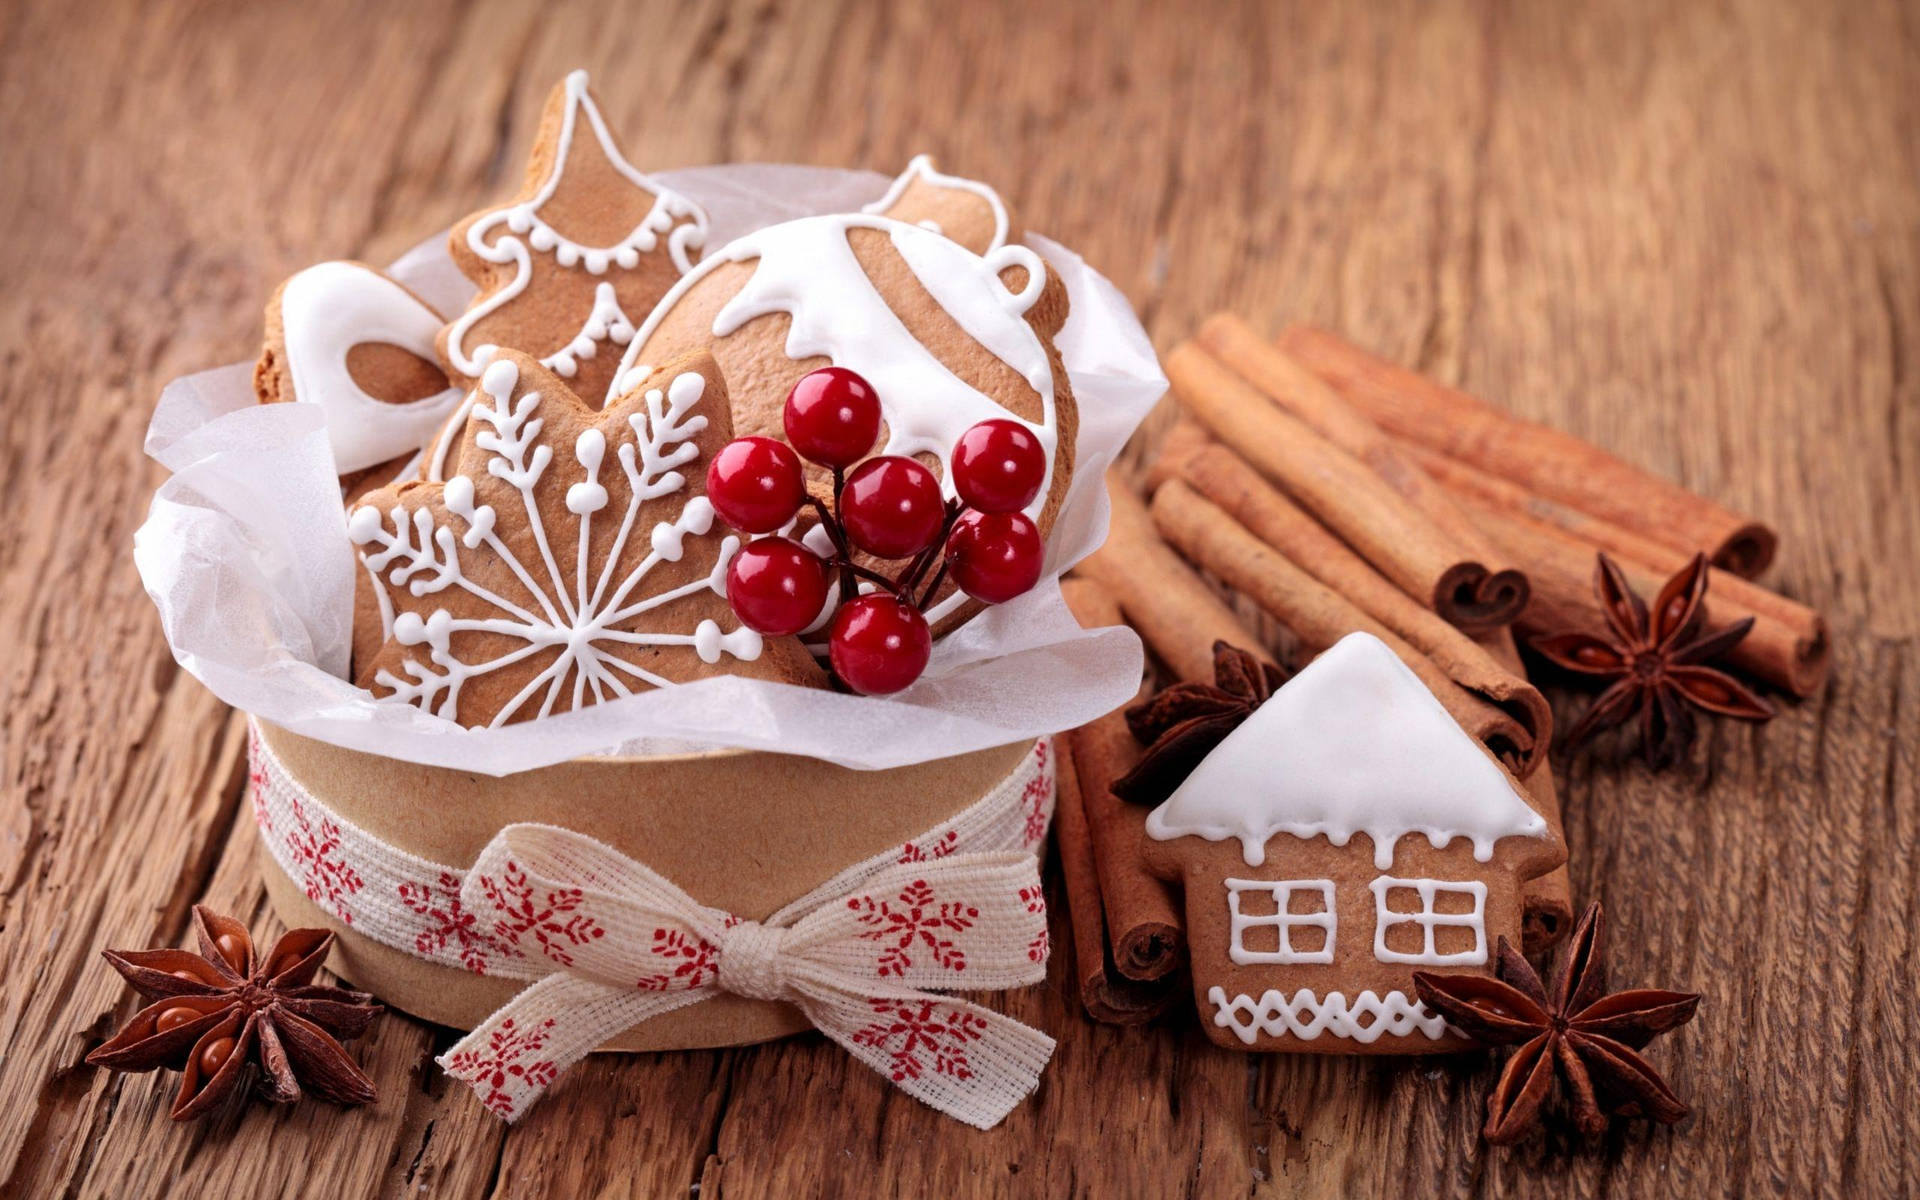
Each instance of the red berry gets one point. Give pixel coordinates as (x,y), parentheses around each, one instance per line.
(995,556)
(892,507)
(832,417)
(776,585)
(755,484)
(998,466)
(879,644)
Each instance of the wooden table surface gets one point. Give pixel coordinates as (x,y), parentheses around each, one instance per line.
(1688,232)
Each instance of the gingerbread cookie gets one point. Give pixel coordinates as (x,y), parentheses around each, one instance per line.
(948,336)
(571,556)
(1346,834)
(348,338)
(571,264)
(965,210)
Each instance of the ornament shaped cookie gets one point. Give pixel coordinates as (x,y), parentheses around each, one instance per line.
(570,266)
(348,338)
(570,557)
(1345,835)
(949,335)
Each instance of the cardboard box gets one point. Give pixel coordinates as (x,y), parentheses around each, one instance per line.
(744,831)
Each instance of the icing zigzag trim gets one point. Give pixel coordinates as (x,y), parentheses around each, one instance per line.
(1275,1015)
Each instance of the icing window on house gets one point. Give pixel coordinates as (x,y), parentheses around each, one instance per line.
(1299,912)
(1429,922)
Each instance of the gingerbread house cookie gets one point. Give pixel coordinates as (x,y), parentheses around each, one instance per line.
(1347,834)
(569,266)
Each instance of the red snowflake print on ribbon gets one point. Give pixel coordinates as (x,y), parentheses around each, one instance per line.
(550,919)
(946,844)
(694,959)
(1034,797)
(917,920)
(922,1035)
(450,924)
(325,876)
(501,1062)
(1036,903)
(257,781)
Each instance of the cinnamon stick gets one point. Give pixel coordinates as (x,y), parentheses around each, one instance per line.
(1144,926)
(1809,628)
(1318,615)
(1499,592)
(1224,478)
(1546,912)
(1544,461)
(1561,567)
(1170,606)
(1339,489)
(1546,900)
(1107,995)
(1185,439)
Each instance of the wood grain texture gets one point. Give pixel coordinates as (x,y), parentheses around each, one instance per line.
(1690,233)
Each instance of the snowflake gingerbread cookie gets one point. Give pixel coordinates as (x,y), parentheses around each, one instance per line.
(949,331)
(569,266)
(1343,836)
(570,556)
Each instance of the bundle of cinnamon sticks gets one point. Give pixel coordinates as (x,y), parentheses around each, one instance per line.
(1338,492)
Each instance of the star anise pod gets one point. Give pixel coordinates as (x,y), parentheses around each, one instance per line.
(215,1012)
(1181,724)
(1657,662)
(1579,1032)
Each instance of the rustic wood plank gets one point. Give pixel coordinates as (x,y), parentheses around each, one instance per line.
(1692,235)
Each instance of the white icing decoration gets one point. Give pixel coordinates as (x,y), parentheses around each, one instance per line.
(1366,1019)
(807,269)
(327,310)
(524,228)
(577,610)
(607,322)
(1355,743)
(1282,922)
(922,168)
(1428,920)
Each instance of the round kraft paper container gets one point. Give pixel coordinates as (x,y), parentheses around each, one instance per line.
(744,831)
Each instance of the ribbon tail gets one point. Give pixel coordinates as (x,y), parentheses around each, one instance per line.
(512,1057)
(969,1062)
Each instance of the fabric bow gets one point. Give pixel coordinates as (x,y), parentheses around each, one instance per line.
(611,943)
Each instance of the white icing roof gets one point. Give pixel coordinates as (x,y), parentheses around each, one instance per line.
(1353,744)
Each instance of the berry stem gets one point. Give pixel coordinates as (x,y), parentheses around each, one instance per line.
(891,587)
(939,577)
(842,558)
(917,570)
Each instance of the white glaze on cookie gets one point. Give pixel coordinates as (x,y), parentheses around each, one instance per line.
(1312,761)
(327,310)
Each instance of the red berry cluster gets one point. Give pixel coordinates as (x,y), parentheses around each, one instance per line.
(889,507)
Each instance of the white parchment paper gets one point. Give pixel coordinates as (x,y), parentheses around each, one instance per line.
(245,554)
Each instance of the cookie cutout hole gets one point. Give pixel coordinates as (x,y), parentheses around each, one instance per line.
(393,374)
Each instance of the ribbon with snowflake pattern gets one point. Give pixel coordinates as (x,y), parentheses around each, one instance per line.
(606,943)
